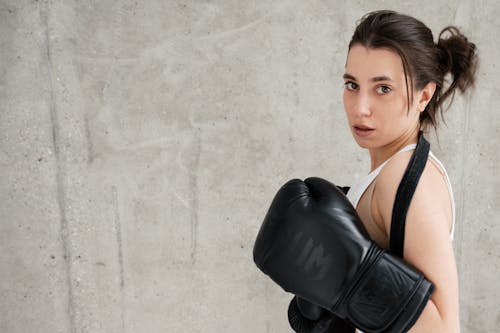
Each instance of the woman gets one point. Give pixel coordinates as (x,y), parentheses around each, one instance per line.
(331,252)
(394,88)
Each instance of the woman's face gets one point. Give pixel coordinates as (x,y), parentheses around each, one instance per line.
(375,98)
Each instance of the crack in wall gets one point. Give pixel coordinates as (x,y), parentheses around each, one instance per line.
(90,145)
(119,244)
(193,185)
(60,169)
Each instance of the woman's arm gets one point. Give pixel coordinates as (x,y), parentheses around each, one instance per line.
(427,244)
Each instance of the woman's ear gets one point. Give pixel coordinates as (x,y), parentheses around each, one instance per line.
(426,95)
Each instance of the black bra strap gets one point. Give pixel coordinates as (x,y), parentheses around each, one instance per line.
(344,189)
(405,193)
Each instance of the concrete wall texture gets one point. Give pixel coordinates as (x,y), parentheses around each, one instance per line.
(141,144)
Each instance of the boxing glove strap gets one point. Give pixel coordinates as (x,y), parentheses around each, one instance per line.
(387,295)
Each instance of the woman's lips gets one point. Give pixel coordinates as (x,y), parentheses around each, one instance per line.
(362,130)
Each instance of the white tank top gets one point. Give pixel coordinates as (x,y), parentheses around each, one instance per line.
(357,190)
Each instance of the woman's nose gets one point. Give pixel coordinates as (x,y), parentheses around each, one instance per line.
(361,105)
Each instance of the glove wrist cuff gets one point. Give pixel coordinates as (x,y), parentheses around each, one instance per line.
(387,296)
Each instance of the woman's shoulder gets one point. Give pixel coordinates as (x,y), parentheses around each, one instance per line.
(431,193)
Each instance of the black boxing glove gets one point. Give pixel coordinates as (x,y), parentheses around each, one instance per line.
(306,317)
(313,244)
(301,320)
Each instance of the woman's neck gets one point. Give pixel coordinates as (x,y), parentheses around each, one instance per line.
(380,154)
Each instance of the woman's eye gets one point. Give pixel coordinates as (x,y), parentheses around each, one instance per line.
(350,85)
(383,90)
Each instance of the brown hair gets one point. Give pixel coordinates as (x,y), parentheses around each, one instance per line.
(423,60)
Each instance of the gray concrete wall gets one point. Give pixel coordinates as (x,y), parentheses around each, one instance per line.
(141,144)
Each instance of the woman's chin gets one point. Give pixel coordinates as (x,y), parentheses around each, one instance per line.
(363,143)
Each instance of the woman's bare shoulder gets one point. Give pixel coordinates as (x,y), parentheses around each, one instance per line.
(431,192)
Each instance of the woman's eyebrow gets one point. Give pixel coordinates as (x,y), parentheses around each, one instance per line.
(348,76)
(381,78)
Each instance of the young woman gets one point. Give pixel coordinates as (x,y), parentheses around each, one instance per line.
(338,254)
(396,86)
